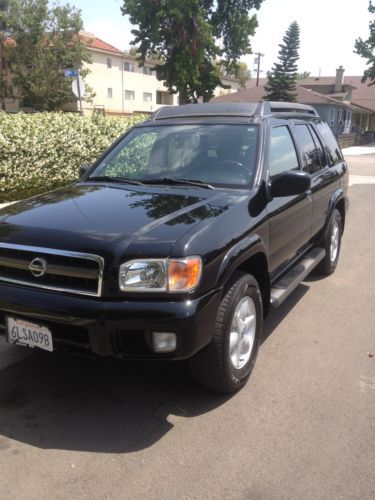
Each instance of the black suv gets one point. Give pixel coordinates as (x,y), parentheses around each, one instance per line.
(176,242)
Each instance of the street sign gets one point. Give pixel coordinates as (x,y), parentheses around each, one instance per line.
(78,87)
(70,73)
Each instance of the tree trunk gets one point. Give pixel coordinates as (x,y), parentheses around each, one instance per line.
(184,99)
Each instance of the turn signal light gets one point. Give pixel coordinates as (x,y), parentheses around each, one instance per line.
(184,274)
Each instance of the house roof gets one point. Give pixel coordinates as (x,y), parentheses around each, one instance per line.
(93,42)
(322,80)
(362,94)
(304,96)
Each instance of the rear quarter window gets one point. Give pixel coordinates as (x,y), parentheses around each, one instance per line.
(331,147)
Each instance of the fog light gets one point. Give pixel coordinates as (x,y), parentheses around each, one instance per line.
(164,341)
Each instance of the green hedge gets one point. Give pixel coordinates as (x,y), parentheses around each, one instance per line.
(43,151)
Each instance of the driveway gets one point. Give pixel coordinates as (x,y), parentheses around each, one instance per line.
(304,426)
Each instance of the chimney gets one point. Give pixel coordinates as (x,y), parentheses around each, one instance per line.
(339,82)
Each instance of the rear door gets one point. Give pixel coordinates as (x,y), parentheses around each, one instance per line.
(318,162)
(290,216)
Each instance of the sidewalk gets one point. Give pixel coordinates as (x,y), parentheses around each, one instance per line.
(369,149)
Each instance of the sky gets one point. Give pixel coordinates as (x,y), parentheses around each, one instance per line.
(329,29)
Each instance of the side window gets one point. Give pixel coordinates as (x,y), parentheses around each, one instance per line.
(319,147)
(283,156)
(331,147)
(309,149)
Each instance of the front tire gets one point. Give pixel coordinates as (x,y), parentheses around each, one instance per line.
(226,363)
(331,242)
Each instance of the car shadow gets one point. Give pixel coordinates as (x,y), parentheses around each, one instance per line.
(59,401)
(276,316)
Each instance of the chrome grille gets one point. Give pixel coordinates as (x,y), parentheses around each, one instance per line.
(57,270)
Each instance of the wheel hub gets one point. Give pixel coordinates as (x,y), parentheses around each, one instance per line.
(334,247)
(242,332)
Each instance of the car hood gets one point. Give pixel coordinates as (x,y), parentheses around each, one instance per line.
(103,218)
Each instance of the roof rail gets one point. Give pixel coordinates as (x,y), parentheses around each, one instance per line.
(274,107)
(232,109)
(244,109)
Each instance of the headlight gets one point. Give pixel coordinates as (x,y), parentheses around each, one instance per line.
(160,275)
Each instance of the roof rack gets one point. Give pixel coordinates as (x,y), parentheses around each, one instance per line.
(274,107)
(238,109)
(244,109)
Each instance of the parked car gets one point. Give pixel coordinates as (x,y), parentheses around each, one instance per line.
(179,239)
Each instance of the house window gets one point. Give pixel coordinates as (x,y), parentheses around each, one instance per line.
(129,95)
(146,70)
(109,62)
(147,97)
(109,93)
(164,98)
(128,66)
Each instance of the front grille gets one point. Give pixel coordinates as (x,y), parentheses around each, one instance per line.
(62,271)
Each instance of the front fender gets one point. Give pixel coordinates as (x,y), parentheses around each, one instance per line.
(238,254)
(335,198)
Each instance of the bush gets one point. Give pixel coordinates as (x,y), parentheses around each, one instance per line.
(43,151)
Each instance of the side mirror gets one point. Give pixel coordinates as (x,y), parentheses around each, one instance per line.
(83,169)
(290,183)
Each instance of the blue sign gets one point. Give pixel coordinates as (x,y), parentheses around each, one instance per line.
(70,73)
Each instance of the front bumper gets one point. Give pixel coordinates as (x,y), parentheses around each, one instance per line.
(120,328)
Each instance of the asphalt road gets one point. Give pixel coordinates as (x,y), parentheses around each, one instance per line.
(303,428)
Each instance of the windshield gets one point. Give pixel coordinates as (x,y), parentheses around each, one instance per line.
(212,154)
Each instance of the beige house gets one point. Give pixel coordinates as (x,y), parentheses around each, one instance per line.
(121,85)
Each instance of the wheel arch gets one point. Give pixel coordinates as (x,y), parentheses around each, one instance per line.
(250,256)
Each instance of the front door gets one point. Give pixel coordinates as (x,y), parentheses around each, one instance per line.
(289,217)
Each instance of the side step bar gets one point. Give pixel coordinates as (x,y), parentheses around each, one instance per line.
(293,278)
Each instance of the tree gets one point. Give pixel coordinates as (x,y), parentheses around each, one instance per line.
(242,73)
(281,84)
(303,75)
(45,42)
(366,49)
(188,36)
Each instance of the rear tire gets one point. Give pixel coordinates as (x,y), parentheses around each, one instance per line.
(226,363)
(331,242)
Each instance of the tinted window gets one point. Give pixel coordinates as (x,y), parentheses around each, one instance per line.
(283,154)
(319,147)
(217,154)
(309,149)
(330,145)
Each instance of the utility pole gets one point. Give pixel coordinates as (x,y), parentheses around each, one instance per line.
(259,55)
(79,93)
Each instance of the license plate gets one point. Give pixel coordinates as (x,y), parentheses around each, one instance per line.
(29,334)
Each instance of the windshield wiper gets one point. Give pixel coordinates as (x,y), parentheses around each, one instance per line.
(108,178)
(176,181)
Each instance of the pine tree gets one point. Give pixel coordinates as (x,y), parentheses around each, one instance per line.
(281,85)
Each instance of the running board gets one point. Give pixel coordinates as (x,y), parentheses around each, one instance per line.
(293,278)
